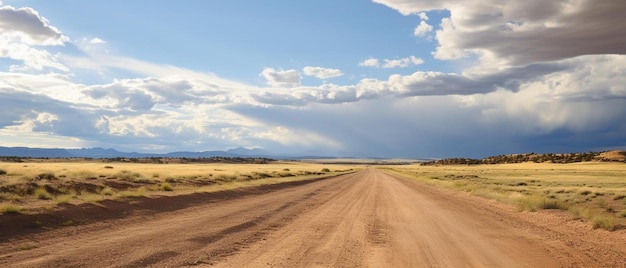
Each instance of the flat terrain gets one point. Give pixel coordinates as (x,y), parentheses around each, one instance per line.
(363,219)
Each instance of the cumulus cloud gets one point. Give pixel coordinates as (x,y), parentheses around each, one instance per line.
(547,99)
(322,73)
(403,62)
(422,29)
(97,40)
(371,62)
(280,78)
(519,33)
(33,28)
(21,31)
(392,63)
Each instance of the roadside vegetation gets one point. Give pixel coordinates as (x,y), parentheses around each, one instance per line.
(30,185)
(594,191)
(607,156)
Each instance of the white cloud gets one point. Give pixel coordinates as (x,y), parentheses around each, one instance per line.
(522,32)
(392,63)
(280,78)
(32,58)
(97,40)
(32,28)
(322,73)
(371,62)
(422,29)
(22,34)
(423,16)
(492,107)
(402,63)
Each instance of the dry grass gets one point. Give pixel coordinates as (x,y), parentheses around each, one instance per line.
(40,184)
(10,208)
(591,190)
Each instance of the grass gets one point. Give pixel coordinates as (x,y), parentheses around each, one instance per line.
(39,184)
(90,198)
(604,222)
(28,245)
(42,193)
(593,191)
(10,209)
(107,191)
(64,199)
(136,193)
(534,203)
(166,187)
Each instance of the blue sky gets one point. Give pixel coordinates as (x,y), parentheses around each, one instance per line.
(387,78)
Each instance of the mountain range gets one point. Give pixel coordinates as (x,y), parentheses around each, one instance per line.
(112,153)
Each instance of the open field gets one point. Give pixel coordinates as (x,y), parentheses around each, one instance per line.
(38,185)
(364,219)
(594,191)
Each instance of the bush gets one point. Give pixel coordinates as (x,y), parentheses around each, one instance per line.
(605,222)
(325,170)
(41,193)
(107,191)
(532,203)
(64,199)
(45,176)
(3,172)
(166,187)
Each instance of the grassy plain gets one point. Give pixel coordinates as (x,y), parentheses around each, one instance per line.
(42,184)
(595,191)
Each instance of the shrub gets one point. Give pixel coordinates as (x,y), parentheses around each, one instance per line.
(532,203)
(126,175)
(107,191)
(42,194)
(3,172)
(137,193)
(64,199)
(91,198)
(604,222)
(325,170)
(108,167)
(45,176)
(166,187)
(585,192)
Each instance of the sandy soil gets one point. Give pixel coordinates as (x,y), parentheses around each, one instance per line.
(365,219)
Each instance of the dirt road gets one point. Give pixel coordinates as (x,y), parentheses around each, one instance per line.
(365,219)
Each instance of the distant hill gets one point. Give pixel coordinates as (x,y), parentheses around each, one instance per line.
(112,153)
(606,156)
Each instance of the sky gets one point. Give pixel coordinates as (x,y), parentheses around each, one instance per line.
(377,78)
